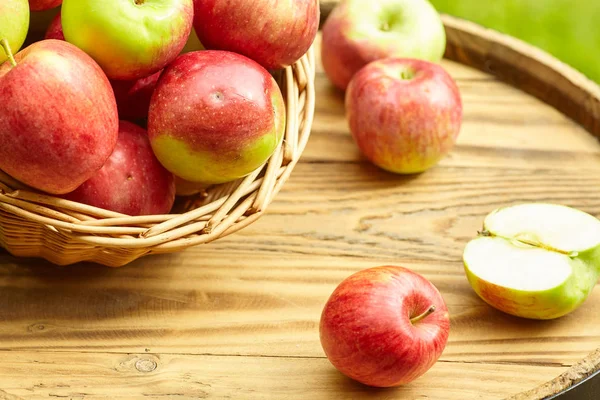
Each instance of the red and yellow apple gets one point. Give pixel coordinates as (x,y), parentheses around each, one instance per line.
(358,32)
(58,120)
(132,181)
(273,33)
(215,116)
(129,39)
(43,5)
(384,326)
(404,114)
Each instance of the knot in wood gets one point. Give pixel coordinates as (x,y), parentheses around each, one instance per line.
(145,365)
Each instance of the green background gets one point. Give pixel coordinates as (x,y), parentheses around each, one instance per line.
(567,29)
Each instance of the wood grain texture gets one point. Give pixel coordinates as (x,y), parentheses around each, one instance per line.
(33,375)
(239,318)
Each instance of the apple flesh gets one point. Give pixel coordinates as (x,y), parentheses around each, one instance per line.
(54,30)
(384,326)
(130,39)
(14,25)
(58,120)
(358,32)
(273,33)
(404,114)
(43,5)
(535,260)
(215,116)
(132,181)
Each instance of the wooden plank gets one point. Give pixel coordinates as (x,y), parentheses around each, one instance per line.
(36,375)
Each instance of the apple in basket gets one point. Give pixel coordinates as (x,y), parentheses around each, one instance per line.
(58,119)
(132,181)
(133,96)
(358,32)
(273,33)
(215,116)
(42,5)
(404,114)
(384,326)
(129,39)
(535,260)
(54,30)
(14,24)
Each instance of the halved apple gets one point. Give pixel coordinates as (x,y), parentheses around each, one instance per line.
(535,260)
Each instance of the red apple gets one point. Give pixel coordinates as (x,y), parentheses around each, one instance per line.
(358,32)
(133,97)
(273,33)
(54,30)
(215,116)
(384,326)
(58,119)
(132,181)
(404,114)
(42,5)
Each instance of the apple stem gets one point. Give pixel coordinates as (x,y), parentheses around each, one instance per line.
(424,315)
(6,46)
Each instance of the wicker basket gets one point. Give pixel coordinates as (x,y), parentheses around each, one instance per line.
(63,232)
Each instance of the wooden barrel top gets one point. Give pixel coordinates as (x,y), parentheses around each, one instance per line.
(238,318)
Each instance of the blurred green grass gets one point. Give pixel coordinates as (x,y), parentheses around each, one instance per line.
(567,29)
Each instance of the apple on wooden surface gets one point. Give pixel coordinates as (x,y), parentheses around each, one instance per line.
(404,114)
(384,326)
(273,33)
(215,116)
(58,119)
(358,32)
(132,181)
(535,260)
(130,39)
(43,5)
(14,25)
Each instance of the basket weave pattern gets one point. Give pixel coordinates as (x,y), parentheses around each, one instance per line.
(33,224)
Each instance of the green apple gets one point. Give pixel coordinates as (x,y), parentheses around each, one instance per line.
(358,32)
(564,28)
(14,24)
(535,260)
(129,39)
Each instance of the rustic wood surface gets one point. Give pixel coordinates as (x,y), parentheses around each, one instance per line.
(239,318)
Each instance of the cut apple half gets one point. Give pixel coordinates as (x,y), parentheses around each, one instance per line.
(535,260)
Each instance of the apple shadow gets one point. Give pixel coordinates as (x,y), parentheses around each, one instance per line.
(356,390)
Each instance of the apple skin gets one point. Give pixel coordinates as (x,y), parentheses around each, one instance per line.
(543,304)
(366,329)
(273,33)
(58,120)
(54,30)
(187,188)
(43,5)
(14,24)
(354,35)
(128,41)
(404,114)
(215,116)
(132,181)
(133,97)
